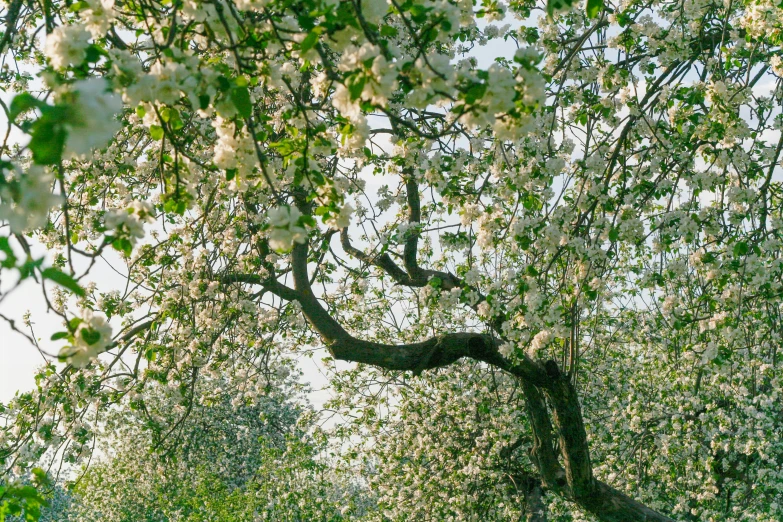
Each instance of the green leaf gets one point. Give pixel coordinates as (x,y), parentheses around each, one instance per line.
(241,98)
(557,5)
(223,83)
(388,31)
(23,102)
(357,86)
(90,336)
(29,267)
(475,92)
(123,245)
(740,248)
(94,53)
(41,478)
(156,132)
(74,323)
(63,279)
(307,220)
(175,206)
(594,7)
(59,335)
(309,42)
(10,257)
(48,141)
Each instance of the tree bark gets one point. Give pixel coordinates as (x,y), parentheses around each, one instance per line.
(535,509)
(611,505)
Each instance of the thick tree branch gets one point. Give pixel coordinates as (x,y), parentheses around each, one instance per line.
(567,418)
(432,353)
(400,276)
(534,508)
(611,505)
(411,250)
(543,453)
(12,16)
(574,481)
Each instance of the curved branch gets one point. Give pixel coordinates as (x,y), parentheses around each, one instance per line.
(543,453)
(432,353)
(382,261)
(575,482)
(411,250)
(10,23)
(272,285)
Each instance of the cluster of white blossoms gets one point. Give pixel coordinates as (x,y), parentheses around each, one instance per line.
(129,222)
(285,229)
(506,349)
(341,219)
(539,342)
(92,116)
(374,10)
(26,198)
(762,19)
(234,150)
(165,82)
(67,45)
(378,82)
(98,16)
(380,78)
(90,338)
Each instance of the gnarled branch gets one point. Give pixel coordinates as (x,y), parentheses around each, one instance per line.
(574,480)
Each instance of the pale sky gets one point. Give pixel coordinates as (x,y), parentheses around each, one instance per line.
(18,357)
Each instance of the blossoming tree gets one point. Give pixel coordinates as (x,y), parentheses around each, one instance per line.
(557,263)
(233,460)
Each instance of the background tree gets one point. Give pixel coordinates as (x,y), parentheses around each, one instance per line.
(593,219)
(228,461)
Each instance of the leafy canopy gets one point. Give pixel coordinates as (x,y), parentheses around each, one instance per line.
(549,234)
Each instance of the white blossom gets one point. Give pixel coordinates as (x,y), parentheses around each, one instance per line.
(91,337)
(67,45)
(26,198)
(92,120)
(285,230)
